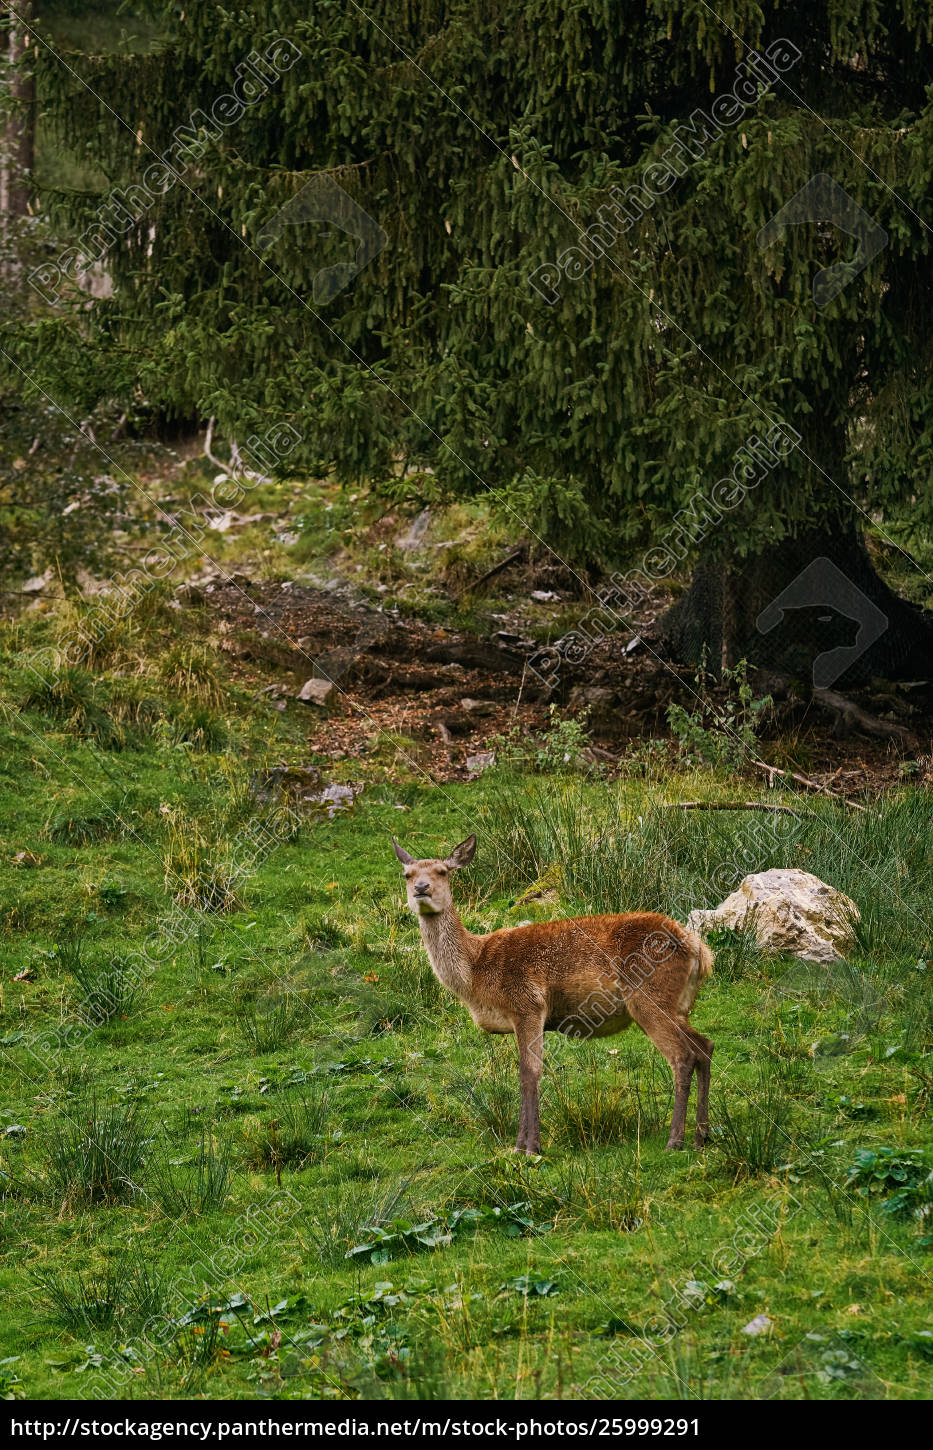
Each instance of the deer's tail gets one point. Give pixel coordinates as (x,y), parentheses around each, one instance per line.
(701,967)
(706,958)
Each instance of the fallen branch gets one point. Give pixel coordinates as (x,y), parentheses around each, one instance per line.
(738,806)
(496,569)
(235,466)
(602,754)
(208,438)
(803,780)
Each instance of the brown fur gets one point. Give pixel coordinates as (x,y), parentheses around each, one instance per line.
(587,976)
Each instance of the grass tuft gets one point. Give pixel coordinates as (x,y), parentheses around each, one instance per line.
(129,1290)
(108,988)
(193,1186)
(296,1132)
(94,1154)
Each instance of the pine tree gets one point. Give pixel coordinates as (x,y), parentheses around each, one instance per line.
(583,288)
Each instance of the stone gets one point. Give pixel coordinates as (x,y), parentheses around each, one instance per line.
(38,583)
(791,911)
(759,1325)
(336,798)
(318,692)
(477,707)
(189,595)
(601,707)
(483,759)
(293,782)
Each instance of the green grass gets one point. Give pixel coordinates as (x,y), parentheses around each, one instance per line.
(186,1168)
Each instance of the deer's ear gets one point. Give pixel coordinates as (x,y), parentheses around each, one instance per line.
(462,855)
(403,856)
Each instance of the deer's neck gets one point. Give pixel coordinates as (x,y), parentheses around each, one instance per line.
(451,949)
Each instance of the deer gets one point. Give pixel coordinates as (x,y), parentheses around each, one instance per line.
(586,976)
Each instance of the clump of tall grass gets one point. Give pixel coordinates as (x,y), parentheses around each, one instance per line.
(191,670)
(198,726)
(193,871)
(916,1012)
(107,988)
(584,1106)
(95,1153)
(754,1130)
(570,1191)
(737,953)
(396,1000)
(332,1222)
(128,1290)
(487,1099)
(120,636)
(69,695)
(607,862)
(617,848)
(591,1095)
(197,1185)
(268,1022)
(199,1346)
(319,930)
(79,824)
(595,1099)
(295,1132)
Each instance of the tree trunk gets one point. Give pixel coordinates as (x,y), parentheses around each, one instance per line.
(18,158)
(812,608)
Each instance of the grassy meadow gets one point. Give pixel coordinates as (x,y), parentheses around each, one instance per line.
(248,1147)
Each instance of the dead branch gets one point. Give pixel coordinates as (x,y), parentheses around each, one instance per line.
(809,784)
(496,569)
(738,806)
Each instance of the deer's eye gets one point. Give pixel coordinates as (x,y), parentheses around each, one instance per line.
(442,871)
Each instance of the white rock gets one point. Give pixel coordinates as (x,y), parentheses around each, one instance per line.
(759,1325)
(38,582)
(792,911)
(335,798)
(477,707)
(483,759)
(318,692)
(222,522)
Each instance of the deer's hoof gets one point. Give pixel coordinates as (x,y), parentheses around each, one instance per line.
(673,1144)
(699,1139)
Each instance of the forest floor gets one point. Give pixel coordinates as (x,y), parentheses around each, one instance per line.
(448,691)
(248,1147)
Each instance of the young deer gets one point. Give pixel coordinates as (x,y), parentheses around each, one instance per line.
(587,976)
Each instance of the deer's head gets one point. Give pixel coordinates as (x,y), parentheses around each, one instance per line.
(428,882)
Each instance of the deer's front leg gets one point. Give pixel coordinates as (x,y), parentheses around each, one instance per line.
(529,1032)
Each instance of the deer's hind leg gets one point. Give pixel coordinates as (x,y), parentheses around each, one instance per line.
(704,1050)
(682,1065)
(675,1040)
